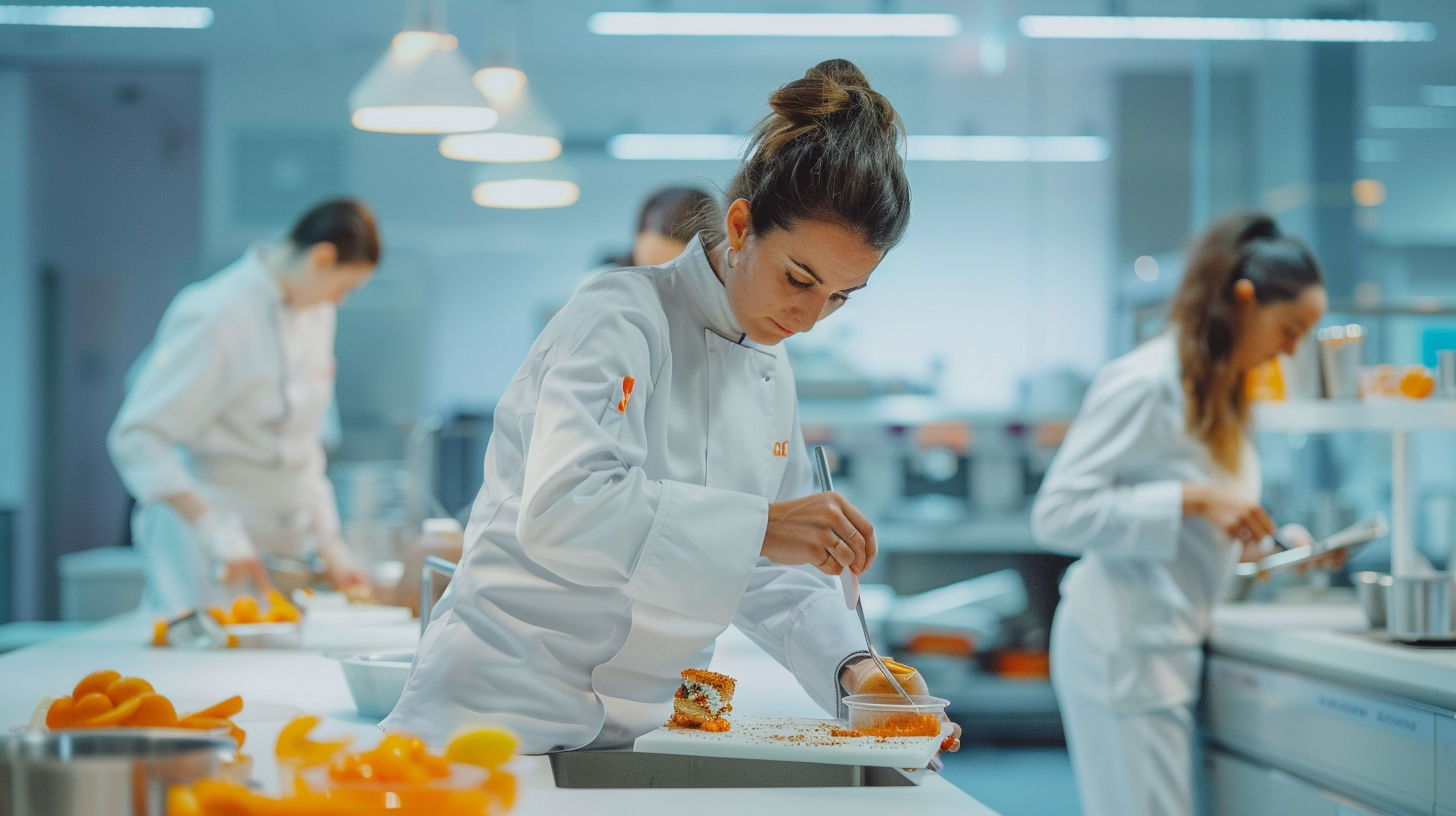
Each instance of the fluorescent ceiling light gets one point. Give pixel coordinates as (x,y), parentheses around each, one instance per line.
(1413,117)
(500,147)
(1222,28)
(728,147)
(687,24)
(107,16)
(1007,148)
(420,85)
(677,146)
(525,194)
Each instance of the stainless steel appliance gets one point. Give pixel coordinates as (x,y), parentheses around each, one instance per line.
(109,772)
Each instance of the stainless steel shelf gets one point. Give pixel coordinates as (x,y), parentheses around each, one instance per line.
(1333,416)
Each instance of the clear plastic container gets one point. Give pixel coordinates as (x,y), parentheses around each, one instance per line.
(888,715)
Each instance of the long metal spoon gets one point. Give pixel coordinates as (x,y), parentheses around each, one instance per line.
(850,582)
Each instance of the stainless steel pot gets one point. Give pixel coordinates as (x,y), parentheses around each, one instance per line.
(1419,607)
(105,772)
(1372,588)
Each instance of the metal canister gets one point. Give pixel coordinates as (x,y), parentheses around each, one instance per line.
(1419,607)
(1342,349)
(1446,373)
(1372,588)
(111,772)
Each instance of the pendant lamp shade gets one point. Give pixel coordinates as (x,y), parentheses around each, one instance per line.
(525,133)
(421,85)
(540,186)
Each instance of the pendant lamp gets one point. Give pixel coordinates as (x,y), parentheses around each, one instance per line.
(422,84)
(540,186)
(524,133)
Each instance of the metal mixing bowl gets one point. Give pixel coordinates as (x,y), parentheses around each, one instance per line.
(111,772)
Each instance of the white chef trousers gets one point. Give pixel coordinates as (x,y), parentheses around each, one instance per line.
(1129,764)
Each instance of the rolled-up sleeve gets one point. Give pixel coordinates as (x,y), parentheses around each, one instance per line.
(1086,504)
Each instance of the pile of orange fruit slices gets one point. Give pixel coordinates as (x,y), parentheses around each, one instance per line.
(245,609)
(105,699)
(389,779)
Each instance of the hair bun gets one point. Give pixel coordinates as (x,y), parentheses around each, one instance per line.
(1258,225)
(831,87)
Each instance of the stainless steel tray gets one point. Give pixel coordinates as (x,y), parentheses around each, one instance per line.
(626,769)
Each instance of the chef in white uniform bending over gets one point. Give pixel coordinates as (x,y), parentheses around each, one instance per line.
(218,438)
(646,483)
(1155,487)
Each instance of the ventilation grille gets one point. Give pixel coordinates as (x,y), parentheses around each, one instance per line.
(278,175)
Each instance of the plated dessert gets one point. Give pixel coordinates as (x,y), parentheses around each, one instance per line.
(702,701)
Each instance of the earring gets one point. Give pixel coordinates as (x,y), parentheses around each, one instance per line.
(732,261)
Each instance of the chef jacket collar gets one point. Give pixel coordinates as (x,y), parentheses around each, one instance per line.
(709,293)
(253,257)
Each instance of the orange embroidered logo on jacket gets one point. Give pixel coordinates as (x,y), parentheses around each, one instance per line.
(781,448)
(627,383)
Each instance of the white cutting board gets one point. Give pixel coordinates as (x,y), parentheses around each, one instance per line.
(792,740)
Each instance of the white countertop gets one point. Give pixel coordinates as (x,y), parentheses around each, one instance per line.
(1329,641)
(307,680)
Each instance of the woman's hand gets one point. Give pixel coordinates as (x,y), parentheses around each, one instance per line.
(242,570)
(344,574)
(1241,520)
(822,530)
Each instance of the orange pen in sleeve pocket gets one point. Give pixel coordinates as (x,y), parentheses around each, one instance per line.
(626,394)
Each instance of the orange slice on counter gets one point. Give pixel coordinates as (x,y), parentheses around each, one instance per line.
(231,707)
(116,716)
(294,744)
(95,682)
(128,687)
(155,711)
(62,713)
(92,705)
(245,610)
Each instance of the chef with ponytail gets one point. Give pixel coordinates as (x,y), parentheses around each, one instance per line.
(646,483)
(1156,488)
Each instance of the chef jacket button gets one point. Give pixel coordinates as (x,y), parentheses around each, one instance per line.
(767,378)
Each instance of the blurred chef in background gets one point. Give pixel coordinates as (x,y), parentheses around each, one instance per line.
(669,219)
(1156,486)
(219,436)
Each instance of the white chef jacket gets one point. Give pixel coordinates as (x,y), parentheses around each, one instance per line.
(229,401)
(614,538)
(1138,604)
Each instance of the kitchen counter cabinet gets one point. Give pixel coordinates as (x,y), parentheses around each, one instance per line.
(311,681)
(1302,701)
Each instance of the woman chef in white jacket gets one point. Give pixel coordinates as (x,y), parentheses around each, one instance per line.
(646,483)
(218,438)
(1155,487)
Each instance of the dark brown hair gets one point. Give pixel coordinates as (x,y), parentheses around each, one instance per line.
(678,212)
(829,151)
(347,223)
(1240,246)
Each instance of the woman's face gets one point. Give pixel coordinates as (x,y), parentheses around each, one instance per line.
(785,281)
(315,276)
(1267,330)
